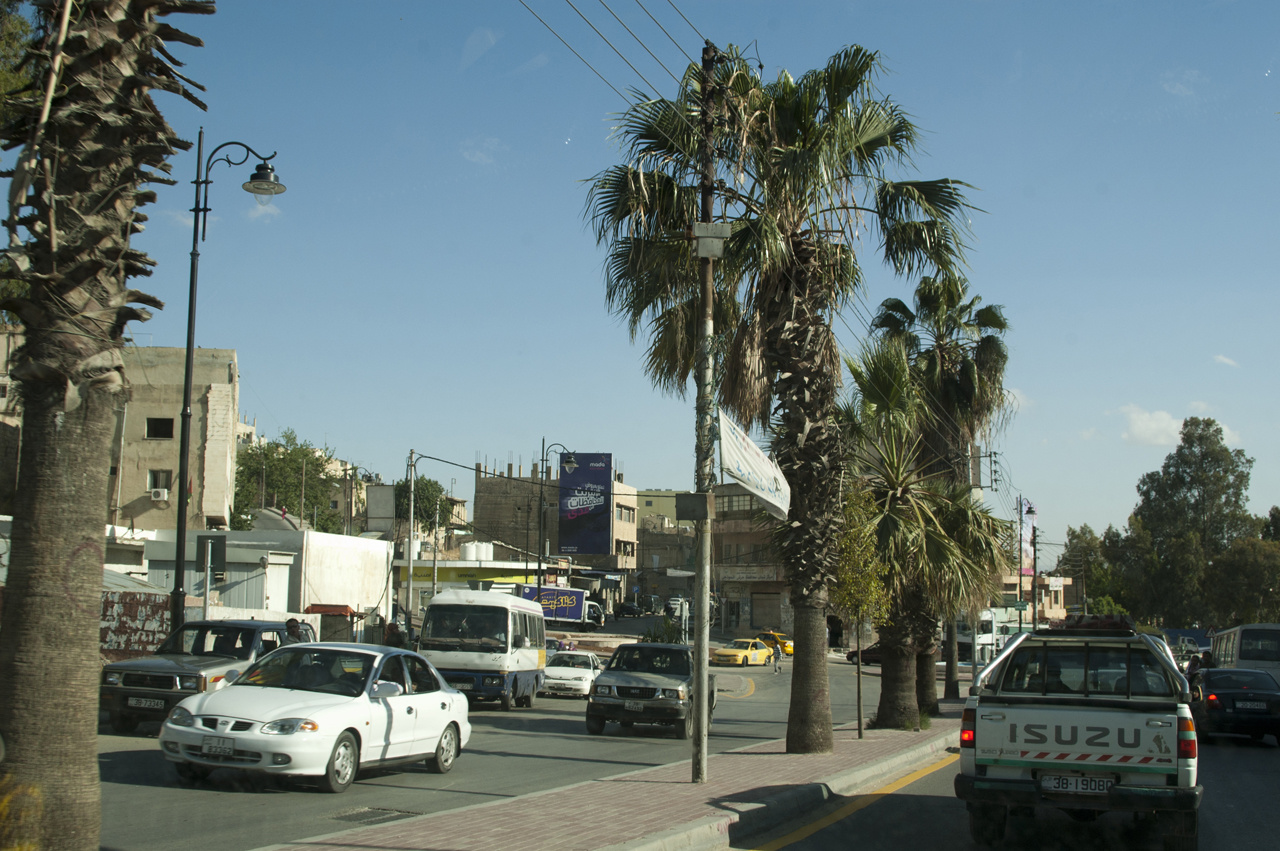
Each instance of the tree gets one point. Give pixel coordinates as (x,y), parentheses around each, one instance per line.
(273,474)
(1082,557)
(1243,583)
(859,592)
(430,505)
(806,169)
(1271,525)
(958,356)
(92,139)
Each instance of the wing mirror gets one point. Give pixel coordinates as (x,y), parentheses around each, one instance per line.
(382,689)
(520,642)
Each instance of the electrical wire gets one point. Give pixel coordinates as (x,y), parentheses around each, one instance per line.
(686,20)
(640,42)
(574,52)
(651,86)
(664,32)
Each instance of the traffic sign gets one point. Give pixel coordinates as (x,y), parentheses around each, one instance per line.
(1021,605)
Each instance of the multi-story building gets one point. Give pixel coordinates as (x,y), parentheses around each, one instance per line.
(748,578)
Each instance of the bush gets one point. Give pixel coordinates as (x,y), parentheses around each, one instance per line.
(665,631)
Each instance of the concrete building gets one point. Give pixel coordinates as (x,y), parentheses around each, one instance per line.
(747,576)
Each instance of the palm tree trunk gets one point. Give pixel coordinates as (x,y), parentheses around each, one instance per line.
(52,614)
(809,717)
(897,706)
(927,679)
(951,653)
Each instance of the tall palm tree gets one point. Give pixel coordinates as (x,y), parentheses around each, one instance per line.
(91,138)
(957,351)
(939,546)
(806,167)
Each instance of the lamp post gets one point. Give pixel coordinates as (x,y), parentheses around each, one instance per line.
(264,185)
(568,462)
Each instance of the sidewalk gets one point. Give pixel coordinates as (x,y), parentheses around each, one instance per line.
(659,809)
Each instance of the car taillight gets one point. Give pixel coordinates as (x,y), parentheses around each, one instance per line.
(1187,748)
(966,728)
(1213,702)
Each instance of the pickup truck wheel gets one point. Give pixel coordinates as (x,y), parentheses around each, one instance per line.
(684,729)
(987,823)
(446,751)
(343,763)
(595,725)
(122,723)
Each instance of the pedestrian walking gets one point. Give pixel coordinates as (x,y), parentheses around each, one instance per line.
(777,658)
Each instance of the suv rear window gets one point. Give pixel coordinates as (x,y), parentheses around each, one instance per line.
(1084,670)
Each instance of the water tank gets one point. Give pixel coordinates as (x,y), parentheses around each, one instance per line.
(484,551)
(469,551)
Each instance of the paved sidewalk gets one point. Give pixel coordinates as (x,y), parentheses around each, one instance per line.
(660,809)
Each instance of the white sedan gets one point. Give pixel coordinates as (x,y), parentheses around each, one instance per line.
(571,672)
(323,710)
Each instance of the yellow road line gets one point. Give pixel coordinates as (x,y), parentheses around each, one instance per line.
(861,802)
(751,689)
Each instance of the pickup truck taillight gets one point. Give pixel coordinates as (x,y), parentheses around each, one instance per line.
(1187,748)
(966,728)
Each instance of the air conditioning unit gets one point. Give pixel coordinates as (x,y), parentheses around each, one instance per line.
(159,494)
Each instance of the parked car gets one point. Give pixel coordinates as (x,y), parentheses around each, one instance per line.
(294,712)
(571,672)
(627,610)
(200,656)
(646,684)
(743,651)
(870,655)
(777,639)
(1235,700)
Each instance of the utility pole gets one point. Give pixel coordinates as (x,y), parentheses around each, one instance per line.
(1021,514)
(1035,590)
(408,548)
(705,450)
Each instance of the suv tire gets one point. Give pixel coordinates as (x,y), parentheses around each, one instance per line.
(122,722)
(595,725)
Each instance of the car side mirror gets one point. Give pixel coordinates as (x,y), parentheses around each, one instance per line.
(520,642)
(383,689)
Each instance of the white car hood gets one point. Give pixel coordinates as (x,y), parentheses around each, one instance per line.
(558,673)
(255,703)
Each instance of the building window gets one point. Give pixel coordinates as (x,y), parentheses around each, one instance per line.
(333,505)
(4,391)
(648,503)
(113,470)
(735,502)
(159,479)
(159,428)
(624,548)
(625,513)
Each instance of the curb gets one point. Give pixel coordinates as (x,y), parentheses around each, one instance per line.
(718,832)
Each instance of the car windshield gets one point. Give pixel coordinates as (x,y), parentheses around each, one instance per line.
(567,660)
(740,644)
(224,640)
(641,659)
(1226,678)
(331,671)
(473,628)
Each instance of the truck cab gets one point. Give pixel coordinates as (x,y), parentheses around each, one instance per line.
(1088,719)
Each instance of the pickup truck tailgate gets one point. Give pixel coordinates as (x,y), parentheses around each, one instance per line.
(1077,740)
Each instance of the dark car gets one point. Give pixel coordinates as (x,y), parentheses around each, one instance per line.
(1235,700)
(870,655)
(627,610)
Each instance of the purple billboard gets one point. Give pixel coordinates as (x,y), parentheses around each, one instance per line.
(586,511)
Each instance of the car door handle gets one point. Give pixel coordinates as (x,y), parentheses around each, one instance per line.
(408,710)
(1153,722)
(444,705)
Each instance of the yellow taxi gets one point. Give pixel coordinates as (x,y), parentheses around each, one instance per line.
(777,639)
(742,651)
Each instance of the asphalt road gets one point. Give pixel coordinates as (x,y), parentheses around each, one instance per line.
(1238,811)
(510,753)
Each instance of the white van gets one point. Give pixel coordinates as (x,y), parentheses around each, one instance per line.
(487,644)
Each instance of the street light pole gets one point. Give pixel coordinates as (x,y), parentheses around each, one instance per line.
(264,185)
(570,464)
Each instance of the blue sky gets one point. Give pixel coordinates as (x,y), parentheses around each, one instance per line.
(428,281)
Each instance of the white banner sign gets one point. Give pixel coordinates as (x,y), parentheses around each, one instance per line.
(744,461)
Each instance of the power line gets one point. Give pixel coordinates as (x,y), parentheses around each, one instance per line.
(640,42)
(664,32)
(686,20)
(651,86)
(575,53)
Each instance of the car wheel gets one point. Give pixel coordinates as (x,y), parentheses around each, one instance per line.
(744,661)
(343,763)
(446,751)
(123,723)
(684,729)
(189,773)
(595,725)
(987,823)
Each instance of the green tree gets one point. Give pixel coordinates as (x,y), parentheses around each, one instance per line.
(430,505)
(958,357)
(15,32)
(274,474)
(1271,524)
(806,168)
(859,593)
(91,140)
(1082,558)
(1243,583)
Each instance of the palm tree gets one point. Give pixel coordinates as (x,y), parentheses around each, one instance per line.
(957,352)
(805,167)
(939,546)
(91,139)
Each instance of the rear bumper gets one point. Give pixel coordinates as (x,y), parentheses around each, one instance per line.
(1026,793)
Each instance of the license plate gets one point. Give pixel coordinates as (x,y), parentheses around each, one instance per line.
(1078,785)
(461,686)
(633,706)
(1251,704)
(218,746)
(145,702)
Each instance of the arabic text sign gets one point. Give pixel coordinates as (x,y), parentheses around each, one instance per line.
(744,461)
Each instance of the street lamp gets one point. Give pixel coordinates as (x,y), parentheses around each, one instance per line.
(568,462)
(264,185)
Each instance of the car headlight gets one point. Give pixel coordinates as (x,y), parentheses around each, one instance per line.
(180,717)
(111,678)
(192,682)
(673,693)
(605,690)
(493,681)
(285,726)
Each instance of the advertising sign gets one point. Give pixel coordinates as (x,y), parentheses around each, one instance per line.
(744,461)
(586,513)
(558,604)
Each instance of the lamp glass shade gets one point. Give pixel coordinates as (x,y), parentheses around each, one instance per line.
(263,184)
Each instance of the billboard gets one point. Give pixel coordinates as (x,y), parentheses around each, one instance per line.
(586,510)
(744,461)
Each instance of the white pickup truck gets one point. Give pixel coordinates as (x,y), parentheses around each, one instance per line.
(1088,719)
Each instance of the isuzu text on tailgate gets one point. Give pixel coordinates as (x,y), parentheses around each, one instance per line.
(1089,719)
